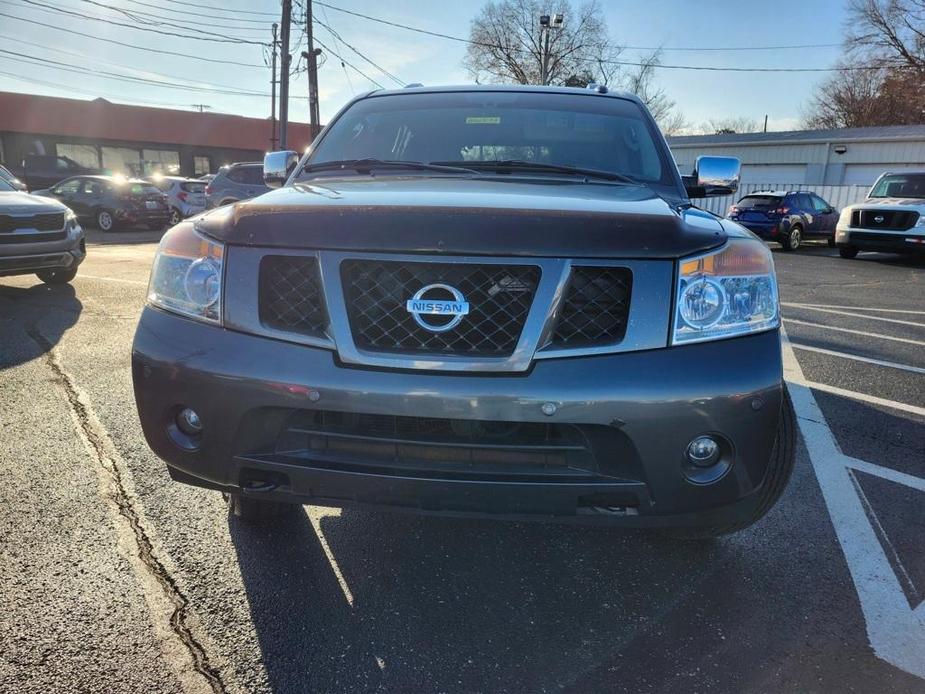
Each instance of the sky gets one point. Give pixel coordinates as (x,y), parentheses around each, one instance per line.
(406,56)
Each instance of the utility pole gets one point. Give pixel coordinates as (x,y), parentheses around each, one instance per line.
(311,59)
(285,59)
(273,90)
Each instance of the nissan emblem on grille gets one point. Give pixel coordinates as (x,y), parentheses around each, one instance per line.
(431,301)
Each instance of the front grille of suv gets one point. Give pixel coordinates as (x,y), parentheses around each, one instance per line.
(890,220)
(596,307)
(499,295)
(291,298)
(53,221)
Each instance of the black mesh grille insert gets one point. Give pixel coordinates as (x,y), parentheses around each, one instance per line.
(596,307)
(291,297)
(499,298)
(891,220)
(52,221)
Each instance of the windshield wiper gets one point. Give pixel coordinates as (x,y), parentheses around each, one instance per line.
(523,165)
(365,166)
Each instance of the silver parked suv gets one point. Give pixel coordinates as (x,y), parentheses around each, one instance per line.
(38,236)
(185,196)
(474,301)
(235,182)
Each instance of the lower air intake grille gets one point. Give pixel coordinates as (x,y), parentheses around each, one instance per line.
(596,307)
(291,297)
(499,298)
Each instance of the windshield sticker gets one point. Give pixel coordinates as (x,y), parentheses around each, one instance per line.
(483,120)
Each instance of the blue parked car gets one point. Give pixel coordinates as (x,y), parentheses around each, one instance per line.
(787,217)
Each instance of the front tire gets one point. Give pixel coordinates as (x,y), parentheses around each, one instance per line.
(250,510)
(105,221)
(793,239)
(848,252)
(779,469)
(830,241)
(62,276)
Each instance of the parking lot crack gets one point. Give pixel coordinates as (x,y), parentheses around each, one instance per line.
(100,447)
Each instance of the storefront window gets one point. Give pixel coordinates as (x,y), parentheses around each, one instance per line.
(202,166)
(85,155)
(122,160)
(160,161)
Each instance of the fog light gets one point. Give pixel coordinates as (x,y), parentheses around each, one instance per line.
(703,451)
(188,422)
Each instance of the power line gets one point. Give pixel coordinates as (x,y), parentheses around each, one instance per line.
(262,22)
(160,51)
(70,67)
(460,39)
(223,9)
(174,34)
(381,69)
(324,11)
(118,65)
(348,63)
(141,17)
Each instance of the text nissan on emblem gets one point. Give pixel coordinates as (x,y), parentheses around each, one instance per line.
(440,300)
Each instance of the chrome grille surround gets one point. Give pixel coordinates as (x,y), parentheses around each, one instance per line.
(647,326)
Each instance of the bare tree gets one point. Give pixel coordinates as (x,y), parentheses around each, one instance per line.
(728,126)
(891,33)
(881,80)
(507,44)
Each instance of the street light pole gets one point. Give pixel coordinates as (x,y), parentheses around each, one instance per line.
(273,91)
(547,23)
(285,60)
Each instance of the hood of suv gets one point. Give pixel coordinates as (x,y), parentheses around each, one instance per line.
(472,216)
(25,203)
(892,202)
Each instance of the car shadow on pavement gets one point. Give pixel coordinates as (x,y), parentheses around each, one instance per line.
(434,604)
(122,237)
(33,319)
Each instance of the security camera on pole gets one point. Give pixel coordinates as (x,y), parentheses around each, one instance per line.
(547,24)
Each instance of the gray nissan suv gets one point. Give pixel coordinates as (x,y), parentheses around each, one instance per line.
(475,300)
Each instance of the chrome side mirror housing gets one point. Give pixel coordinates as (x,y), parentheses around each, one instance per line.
(713,176)
(277,166)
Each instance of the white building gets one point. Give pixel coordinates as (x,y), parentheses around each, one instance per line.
(849,156)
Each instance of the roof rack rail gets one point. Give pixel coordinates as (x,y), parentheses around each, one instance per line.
(413,85)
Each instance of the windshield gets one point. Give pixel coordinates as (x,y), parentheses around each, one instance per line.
(4,186)
(584,131)
(900,186)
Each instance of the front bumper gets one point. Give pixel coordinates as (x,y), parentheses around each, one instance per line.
(29,258)
(649,405)
(908,241)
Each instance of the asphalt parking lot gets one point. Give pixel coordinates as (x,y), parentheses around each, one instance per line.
(115,578)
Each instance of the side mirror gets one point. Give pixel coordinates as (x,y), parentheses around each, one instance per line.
(713,176)
(277,166)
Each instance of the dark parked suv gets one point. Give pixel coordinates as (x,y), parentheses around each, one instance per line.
(111,202)
(786,217)
(474,300)
(235,182)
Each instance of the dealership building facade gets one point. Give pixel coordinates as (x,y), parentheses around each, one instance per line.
(134,140)
(843,157)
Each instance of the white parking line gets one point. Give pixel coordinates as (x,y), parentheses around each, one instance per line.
(864,397)
(855,357)
(879,336)
(82,276)
(860,308)
(809,307)
(332,560)
(895,631)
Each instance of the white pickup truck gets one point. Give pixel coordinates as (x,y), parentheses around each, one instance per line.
(891,219)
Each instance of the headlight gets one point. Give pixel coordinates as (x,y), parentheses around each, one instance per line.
(921,222)
(187,275)
(70,220)
(844,219)
(729,292)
